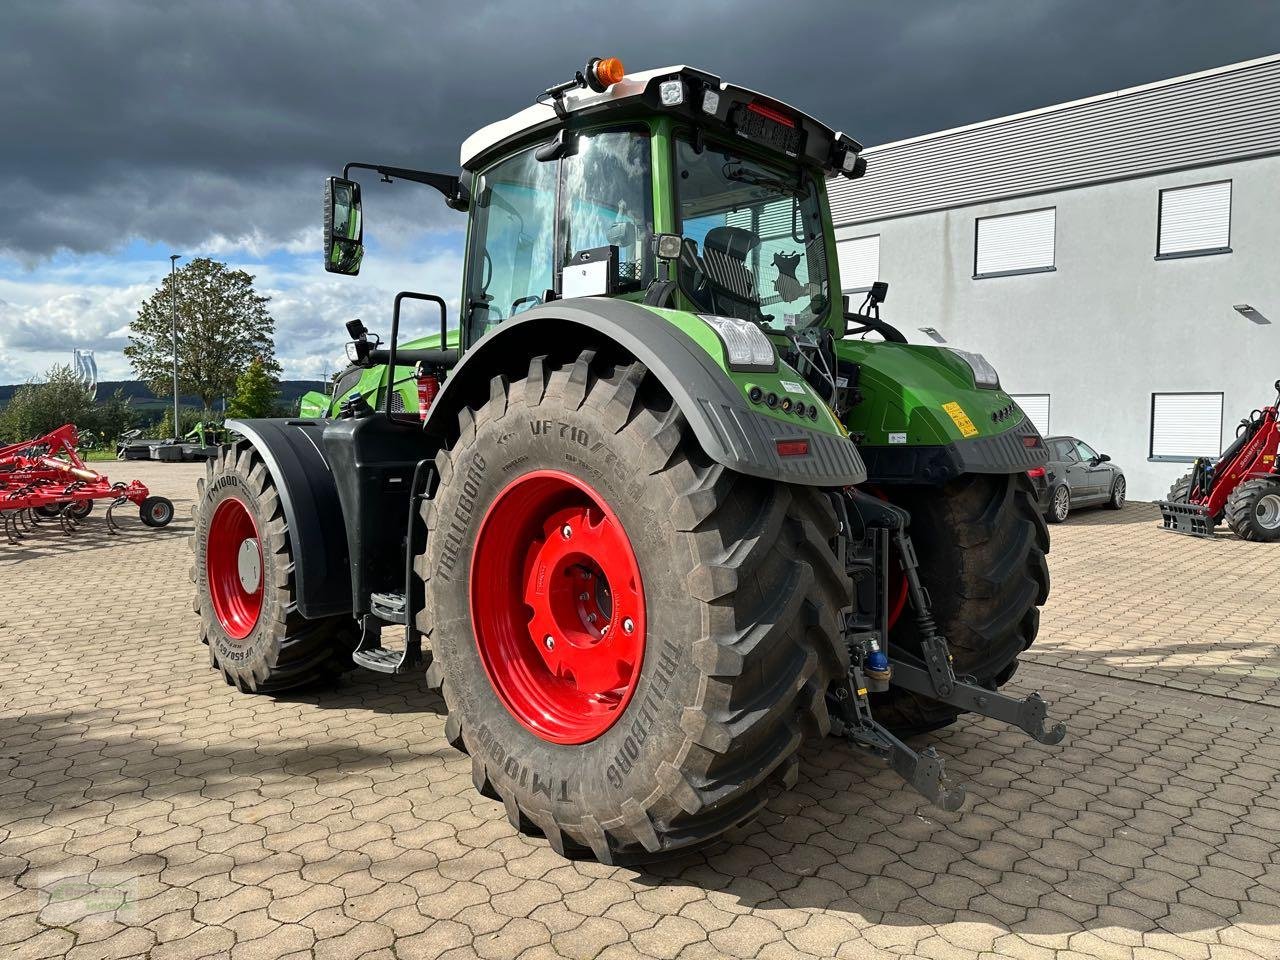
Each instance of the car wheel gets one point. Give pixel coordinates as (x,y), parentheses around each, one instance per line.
(1060,505)
(1117,494)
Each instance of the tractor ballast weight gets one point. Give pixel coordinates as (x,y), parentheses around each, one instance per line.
(628,508)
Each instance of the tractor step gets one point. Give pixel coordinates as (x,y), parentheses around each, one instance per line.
(1191,519)
(384,660)
(387,606)
(372,655)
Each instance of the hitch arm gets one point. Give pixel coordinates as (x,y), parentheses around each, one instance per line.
(1028,714)
(925,772)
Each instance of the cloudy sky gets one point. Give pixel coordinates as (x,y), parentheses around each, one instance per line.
(130,130)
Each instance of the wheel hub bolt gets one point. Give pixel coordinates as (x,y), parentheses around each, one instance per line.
(584,597)
(591,618)
(566,531)
(628,624)
(549,642)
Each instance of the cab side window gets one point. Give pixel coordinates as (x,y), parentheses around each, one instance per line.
(606,199)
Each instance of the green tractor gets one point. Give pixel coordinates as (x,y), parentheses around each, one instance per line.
(656,510)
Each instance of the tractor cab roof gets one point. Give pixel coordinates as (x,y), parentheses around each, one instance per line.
(686,92)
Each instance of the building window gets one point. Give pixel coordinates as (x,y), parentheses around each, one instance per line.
(1014,243)
(1036,407)
(1185,426)
(1194,221)
(859,263)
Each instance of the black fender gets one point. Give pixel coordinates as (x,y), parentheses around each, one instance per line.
(292,451)
(728,429)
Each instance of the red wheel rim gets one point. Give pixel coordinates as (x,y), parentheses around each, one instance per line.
(233,565)
(557,604)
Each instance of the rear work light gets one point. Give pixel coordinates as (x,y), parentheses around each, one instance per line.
(792,448)
(1030,440)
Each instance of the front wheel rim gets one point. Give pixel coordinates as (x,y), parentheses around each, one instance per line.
(1060,504)
(233,565)
(557,605)
(1267,512)
(1119,492)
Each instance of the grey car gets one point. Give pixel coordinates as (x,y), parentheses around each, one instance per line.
(1076,476)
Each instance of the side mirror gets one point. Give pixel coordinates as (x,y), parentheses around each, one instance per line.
(1104,458)
(879,290)
(343,227)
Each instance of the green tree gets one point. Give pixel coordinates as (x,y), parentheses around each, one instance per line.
(36,408)
(223,324)
(111,417)
(256,392)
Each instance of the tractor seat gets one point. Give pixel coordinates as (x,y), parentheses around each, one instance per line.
(724,254)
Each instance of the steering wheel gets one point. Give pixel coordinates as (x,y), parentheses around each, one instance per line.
(533,299)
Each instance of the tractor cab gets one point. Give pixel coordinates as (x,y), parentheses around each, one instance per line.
(668,187)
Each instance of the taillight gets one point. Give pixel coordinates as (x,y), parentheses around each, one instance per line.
(766,109)
(1036,473)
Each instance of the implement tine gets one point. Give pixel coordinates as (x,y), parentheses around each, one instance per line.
(112,526)
(10,530)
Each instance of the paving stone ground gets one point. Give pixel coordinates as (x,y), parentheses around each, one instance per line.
(148,810)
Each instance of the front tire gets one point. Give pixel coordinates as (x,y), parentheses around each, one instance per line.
(244,586)
(1059,505)
(735,603)
(1118,492)
(1253,510)
(982,543)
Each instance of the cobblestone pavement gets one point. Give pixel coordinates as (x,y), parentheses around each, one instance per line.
(146,809)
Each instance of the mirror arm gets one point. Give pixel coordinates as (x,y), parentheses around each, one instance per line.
(455,192)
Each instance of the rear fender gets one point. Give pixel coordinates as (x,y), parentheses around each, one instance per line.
(294,457)
(728,429)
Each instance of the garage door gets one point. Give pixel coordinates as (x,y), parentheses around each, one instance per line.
(1036,407)
(1186,425)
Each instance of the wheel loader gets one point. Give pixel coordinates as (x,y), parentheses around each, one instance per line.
(659,507)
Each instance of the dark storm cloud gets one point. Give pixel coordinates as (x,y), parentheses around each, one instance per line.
(174,123)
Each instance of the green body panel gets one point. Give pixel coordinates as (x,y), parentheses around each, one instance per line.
(372,384)
(786,382)
(904,387)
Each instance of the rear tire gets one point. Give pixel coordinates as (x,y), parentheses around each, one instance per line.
(741,592)
(1253,510)
(981,543)
(258,640)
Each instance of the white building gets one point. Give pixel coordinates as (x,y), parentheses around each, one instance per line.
(1117,258)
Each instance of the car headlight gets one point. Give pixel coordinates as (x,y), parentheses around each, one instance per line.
(984,374)
(745,345)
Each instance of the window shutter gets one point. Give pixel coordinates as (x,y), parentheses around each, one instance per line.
(859,263)
(1015,243)
(1036,407)
(1186,425)
(1195,219)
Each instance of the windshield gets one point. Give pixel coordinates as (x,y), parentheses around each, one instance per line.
(753,241)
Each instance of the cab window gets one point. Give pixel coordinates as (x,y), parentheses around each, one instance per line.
(510,268)
(606,199)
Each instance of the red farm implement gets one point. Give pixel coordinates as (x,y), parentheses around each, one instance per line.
(1242,486)
(46,480)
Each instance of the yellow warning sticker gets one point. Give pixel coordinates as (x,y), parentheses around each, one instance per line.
(960,419)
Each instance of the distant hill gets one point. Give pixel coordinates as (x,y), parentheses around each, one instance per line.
(143,400)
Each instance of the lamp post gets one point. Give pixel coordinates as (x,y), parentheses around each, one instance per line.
(173,314)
